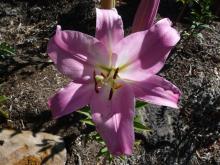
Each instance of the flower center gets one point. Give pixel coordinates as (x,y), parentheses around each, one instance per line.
(109,79)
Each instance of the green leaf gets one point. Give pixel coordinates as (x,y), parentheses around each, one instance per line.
(88,121)
(103,152)
(85,111)
(137,142)
(3,98)
(122,157)
(6,49)
(205,26)
(137,118)
(140,104)
(99,139)
(4,114)
(139,128)
(95,136)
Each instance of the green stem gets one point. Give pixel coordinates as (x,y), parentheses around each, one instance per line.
(107,4)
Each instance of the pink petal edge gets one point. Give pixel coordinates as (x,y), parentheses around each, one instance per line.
(75,54)
(145,15)
(69,99)
(114,119)
(157,90)
(149,54)
(109,27)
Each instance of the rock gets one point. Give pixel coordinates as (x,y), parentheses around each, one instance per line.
(160,119)
(177,134)
(25,147)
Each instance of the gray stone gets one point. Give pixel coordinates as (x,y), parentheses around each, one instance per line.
(24,147)
(160,120)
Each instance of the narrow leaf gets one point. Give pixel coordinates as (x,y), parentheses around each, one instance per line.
(88,121)
(4,114)
(140,104)
(85,111)
(140,127)
(3,98)
(6,49)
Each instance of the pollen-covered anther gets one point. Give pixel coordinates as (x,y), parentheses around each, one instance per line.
(117,86)
(107,79)
(99,78)
(96,83)
(103,75)
(116,73)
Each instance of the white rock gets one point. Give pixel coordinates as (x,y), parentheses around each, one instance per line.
(20,148)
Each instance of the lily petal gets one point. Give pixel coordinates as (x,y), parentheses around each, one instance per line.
(149,52)
(109,27)
(114,119)
(145,15)
(75,54)
(157,90)
(69,99)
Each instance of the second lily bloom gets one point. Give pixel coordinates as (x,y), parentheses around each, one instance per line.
(145,15)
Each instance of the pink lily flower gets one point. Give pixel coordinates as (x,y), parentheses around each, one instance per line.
(145,15)
(109,71)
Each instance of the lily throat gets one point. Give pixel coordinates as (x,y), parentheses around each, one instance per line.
(109,78)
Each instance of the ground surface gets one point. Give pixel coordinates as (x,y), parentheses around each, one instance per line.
(186,136)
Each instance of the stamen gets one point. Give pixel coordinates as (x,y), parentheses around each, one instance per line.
(99,78)
(108,74)
(117,86)
(103,75)
(96,83)
(116,73)
(110,94)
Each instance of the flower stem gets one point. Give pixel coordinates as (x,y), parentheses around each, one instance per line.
(107,4)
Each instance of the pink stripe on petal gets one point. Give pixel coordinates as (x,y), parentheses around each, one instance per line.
(109,27)
(69,99)
(75,54)
(114,119)
(157,90)
(146,51)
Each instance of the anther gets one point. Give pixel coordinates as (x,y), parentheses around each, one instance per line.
(96,84)
(103,75)
(116,73)
(117,86)
(99,78)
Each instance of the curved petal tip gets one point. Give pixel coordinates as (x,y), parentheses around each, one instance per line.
(58,28)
